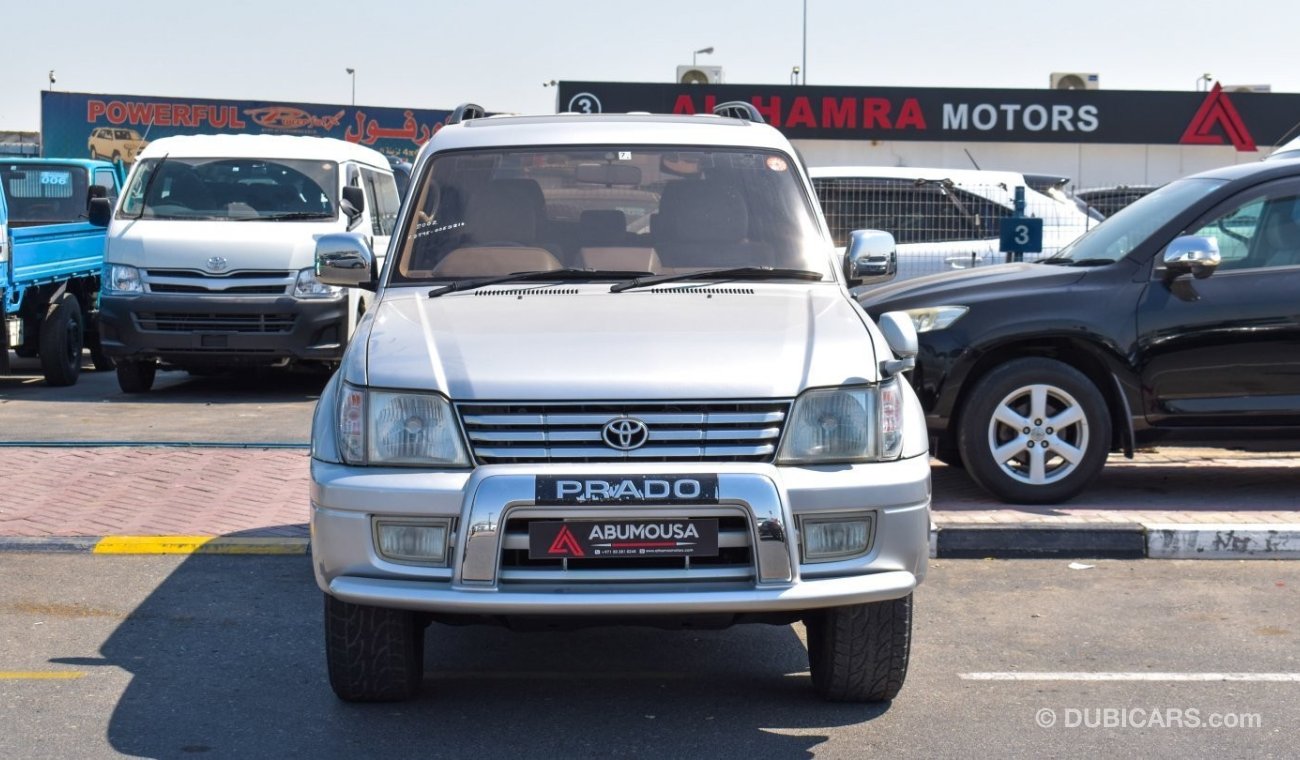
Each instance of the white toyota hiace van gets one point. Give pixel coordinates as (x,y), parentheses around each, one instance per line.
(209,262)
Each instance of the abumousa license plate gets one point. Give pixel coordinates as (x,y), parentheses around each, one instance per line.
(584,539)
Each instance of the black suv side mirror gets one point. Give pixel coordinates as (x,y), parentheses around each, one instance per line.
(1192,254)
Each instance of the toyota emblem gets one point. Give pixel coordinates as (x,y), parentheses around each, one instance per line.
(625,433)
(218,263)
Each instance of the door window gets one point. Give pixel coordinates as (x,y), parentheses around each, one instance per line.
(106,179)
(1262,233)
(383,199)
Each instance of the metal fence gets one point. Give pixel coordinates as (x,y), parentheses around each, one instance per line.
(941,225)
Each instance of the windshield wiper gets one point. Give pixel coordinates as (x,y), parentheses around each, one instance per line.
(286,215)
(773,273)
(539,274)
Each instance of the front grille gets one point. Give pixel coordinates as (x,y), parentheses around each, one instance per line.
(714,431)
(734,563)
(244,282)
(240,323)
(273,290)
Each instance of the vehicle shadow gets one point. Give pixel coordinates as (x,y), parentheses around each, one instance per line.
(226,659)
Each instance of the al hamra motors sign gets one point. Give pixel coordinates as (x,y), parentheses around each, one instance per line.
(1217,117)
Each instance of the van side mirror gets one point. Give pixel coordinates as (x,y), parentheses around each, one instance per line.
(900,333)
(354,201)
(100,210)
(872,258)
(95,191)
(344,259)
(1192,254)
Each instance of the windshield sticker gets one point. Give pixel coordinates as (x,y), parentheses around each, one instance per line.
(776,163)
(625,155)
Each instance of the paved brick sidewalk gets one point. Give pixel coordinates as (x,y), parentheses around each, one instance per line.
(68,492)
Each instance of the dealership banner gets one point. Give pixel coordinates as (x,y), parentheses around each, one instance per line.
(69,120)
(1244,120)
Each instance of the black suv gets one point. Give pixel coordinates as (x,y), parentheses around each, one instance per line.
(1176,320)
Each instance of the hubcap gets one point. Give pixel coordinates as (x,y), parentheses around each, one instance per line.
(1038,434)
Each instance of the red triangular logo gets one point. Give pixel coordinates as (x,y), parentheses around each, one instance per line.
(1217,111)
(565,543)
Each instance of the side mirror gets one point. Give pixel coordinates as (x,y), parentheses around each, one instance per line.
(1192,254)
(900,333)
(100,210)
(354,201)
(95,191)
(872,258)
(344,259)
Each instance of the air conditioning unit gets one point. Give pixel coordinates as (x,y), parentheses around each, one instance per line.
(1248,88)
(699,74)
(1073,80)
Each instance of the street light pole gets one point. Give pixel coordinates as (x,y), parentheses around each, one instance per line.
(353,73)
(705,51)
(804,68)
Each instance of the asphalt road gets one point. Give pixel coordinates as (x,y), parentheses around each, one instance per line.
(221,657)
(239,407)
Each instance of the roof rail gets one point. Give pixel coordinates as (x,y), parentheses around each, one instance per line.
(465,112)
(739,109)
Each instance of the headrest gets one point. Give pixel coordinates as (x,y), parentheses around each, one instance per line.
(505,210)
(702,211)
(602,227)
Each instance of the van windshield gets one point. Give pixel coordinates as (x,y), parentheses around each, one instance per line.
(640,209)
(232,189)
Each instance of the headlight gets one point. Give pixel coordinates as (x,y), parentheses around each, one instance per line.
(935,317)
(389,428)
(861,424)
(119,278)
(307,286)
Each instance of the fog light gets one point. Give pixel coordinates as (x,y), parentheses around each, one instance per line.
(831,538)
(408,541)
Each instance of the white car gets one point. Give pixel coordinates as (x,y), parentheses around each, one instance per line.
(942,219)
(613,374)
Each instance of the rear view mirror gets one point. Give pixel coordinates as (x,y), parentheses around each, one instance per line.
(100,210)
(872,258)
(354,201)
(344,259)
(1192,254)
(608,174)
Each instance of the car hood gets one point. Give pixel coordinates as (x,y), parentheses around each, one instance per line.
(585,343)
(954,287)
(174,244)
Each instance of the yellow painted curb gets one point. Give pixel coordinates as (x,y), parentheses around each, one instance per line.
(199,545)
(40,675)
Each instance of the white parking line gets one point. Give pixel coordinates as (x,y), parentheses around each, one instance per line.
(1016,676)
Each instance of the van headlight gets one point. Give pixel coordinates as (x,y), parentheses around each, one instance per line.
(391,428)
(860,424)
(120,278)
(934,318)
(307,286)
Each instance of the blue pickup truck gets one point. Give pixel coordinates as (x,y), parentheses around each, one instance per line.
(51,254)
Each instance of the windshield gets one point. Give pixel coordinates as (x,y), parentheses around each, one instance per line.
(232,189)
(1121,233)
(618,210)
(44,194)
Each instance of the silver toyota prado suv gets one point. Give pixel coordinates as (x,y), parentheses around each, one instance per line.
(612,373)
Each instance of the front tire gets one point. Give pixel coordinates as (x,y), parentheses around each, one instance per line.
(859,653)
(374,654)
(136,376)
(1034,431)
(63,335)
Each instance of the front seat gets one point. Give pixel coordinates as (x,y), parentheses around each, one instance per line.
(502,219)
(705,223)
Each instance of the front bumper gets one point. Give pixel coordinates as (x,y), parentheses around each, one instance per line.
(187,329)
(486,503)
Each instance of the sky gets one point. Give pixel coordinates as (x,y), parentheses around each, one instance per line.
(500,54)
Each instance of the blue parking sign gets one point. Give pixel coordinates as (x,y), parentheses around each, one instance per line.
(1022,234)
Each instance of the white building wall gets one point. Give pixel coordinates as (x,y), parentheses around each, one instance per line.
(1087,165)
